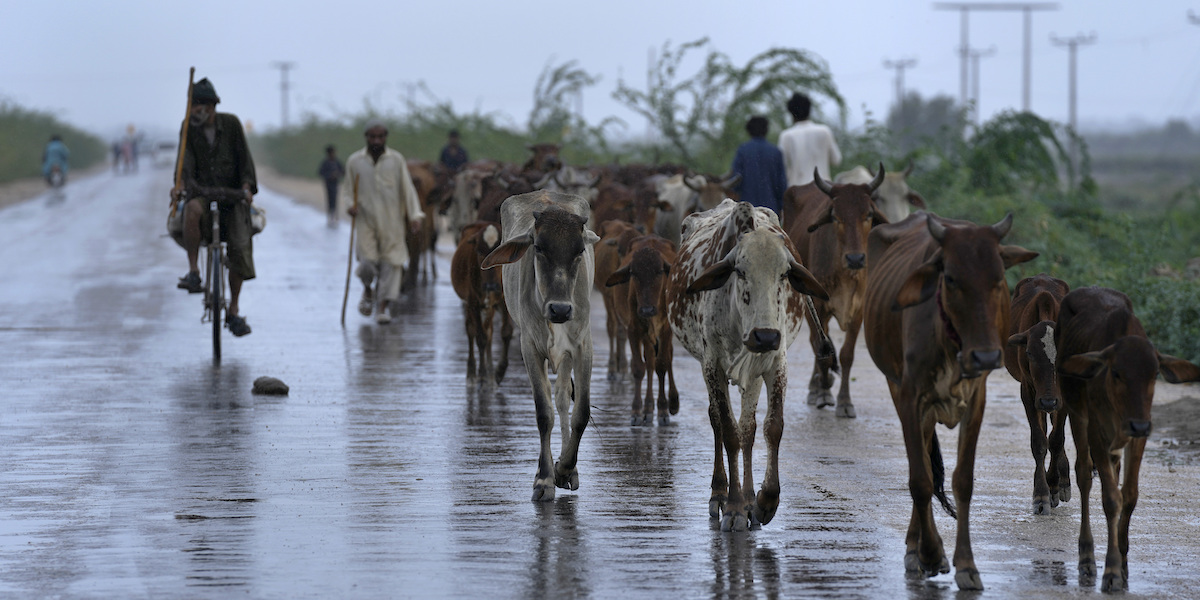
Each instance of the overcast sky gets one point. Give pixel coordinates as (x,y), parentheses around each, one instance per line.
(105,65)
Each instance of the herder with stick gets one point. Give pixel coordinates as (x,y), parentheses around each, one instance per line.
(387,209)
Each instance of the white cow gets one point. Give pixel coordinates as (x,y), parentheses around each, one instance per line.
(686,196)
(734,299)
(464,203)
(548,291)
(893,197)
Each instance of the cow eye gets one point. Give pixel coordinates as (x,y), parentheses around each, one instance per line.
(740,273)
(951,281)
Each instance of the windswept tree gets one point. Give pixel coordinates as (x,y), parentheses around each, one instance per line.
(701,116)
(555,119)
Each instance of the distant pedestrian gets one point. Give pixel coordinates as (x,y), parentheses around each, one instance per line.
(332,172)
(55,159)
(806,145)
(760,164)
(454,156)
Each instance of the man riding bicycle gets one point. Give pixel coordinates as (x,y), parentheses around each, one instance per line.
(55,158)
(216,156)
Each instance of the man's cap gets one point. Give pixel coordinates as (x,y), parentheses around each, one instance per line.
(372,124)
(203,92)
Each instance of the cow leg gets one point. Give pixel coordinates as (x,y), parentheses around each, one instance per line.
(471,323)
(747,429)
(767,501)
(822,380)
(1042,499)
(611,325)
(923,545)
(535,366)
(649,361)
(666,355)
(506,335)
(1059,477)
(1129,493)
(1108,469)
(577,373)
(845,407)
(718,416)
(1083,478)
(966,575)
(486,369)
(637,368)
(661,366)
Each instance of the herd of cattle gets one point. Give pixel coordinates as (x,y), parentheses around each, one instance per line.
(674,257)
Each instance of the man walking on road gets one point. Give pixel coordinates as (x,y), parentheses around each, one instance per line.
(761,166)
(806,145)
(331,171)
(216,155)
(386,199)
(453,156)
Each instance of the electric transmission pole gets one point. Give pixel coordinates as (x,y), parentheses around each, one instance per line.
(964,46)
(900,66)
(284,67)
(975,55)
(1072,45)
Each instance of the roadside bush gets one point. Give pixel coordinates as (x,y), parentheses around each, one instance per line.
(25,133)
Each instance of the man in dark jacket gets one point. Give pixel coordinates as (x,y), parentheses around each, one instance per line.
(331,171)
(454,156)
(760,164)
(216,156)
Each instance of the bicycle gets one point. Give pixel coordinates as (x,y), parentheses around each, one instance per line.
(216,263)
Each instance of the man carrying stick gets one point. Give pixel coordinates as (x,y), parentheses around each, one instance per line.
(386,200)
(215,155)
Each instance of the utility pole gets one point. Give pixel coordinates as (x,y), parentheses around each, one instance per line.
(284,66)
(964,46)
(900,66)
(976,54)
(1072,45)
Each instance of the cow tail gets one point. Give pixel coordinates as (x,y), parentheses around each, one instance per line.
(939,477)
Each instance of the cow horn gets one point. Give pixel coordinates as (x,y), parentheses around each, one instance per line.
(729,184)
(908,171)
(936,228)
(1002,228)
(686,176)
(554,178)
(821,183)
(875,183)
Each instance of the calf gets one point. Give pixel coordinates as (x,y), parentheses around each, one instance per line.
(421,243)
(1029,358)
(734,299)
(935,311)
(614,239)
(829,226)
(643,312)
(483,298)
(1109,369)
(548,291)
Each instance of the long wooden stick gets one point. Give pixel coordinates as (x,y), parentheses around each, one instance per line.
(187,116)
(350,258)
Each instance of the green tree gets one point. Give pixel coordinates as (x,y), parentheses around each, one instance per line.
(916,122)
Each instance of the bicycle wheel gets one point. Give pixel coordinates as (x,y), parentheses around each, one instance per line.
(216,286)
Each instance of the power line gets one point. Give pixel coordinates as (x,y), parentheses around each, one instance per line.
(1072,44)
(964,47)
(284,66)
(900,66)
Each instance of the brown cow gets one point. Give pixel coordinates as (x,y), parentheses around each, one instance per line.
(1029,357)
(829,226)
(936,311)
(615,237)
(643,312)
(421,244)
(637,206)
(544,160)
(482,294)
(1109,369)
(495,190)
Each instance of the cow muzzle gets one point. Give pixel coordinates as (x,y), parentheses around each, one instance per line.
(646,312)
(559,312)
(762,340)
(491,286)
(1137,428)
(1049,404)
(856,261)
(979,362)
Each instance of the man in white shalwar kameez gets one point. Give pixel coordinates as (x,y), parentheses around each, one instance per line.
(386,201)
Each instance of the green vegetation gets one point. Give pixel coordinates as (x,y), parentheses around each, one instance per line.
(1016,162)
(25,133)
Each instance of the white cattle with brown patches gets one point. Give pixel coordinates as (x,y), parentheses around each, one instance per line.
(735,301)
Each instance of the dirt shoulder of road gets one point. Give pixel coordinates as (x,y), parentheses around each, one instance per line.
(307,191)
(20,190)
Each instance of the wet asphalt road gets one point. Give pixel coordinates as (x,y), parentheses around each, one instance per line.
(134,467)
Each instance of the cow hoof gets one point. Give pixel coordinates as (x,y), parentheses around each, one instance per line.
(1041,506)
(1087,572)
(760,517)
(968,579)
(673,401)
(543,493)
(846,411)
(664,420)
(612,376)
(568,480)
(1064,493)
(912,564)
(1112,582)
(471,371)
(647,420)
(814,397)
(714,507)
(635,420)
(734,522)
(500,371)
(826,400)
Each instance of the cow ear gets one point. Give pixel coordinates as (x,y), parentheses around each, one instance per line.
(1015,255)
(508,252)
(589,236)
(825,219)
(802,281)
(916,200)
(1018,339)
(921,285)
(877,216)
(618,277)
(714,276)
(1083,366)
(663,205)
(1177,370)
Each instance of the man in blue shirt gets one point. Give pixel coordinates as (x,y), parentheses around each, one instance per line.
(760,164)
